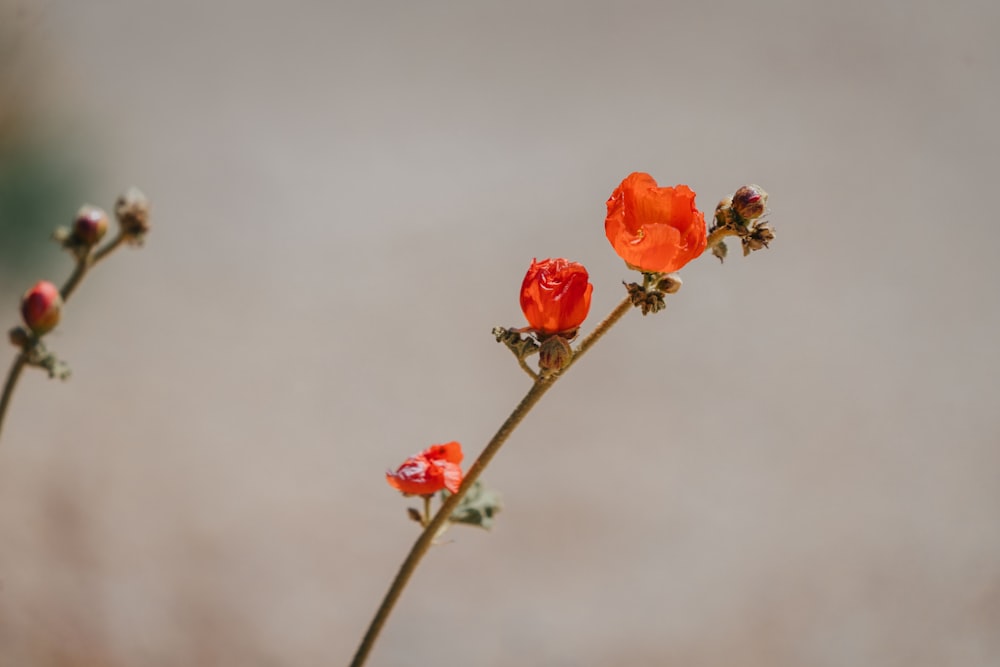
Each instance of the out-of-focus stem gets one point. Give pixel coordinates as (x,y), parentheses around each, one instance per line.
(84,264)
(8,388)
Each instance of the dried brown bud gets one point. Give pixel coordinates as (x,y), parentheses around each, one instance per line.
(646,300)
(760,237)
(132,211)
(749,202)
(724,213)
(554,354)
(720,251)
(670,283)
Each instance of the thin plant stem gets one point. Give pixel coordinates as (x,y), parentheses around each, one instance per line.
(8,388)
(101,253)
(431,530)
(83,265)
(526,368)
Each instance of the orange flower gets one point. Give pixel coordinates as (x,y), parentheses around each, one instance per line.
(555,295)
(426,473)
(656,230)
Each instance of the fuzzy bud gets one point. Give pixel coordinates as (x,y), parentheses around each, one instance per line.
(132,211)
(40,307)
(760,237)
(90,225)
(554,355)
(749,202)
(724,213)
(670,283)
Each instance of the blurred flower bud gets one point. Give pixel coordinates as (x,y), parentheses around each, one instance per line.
(19,337)
(40,307)
(90,225)
(749,202)
(132,211)
(554,355)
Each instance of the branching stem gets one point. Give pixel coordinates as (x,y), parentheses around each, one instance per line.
(426,538)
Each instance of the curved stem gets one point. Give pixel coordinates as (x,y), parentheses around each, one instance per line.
(8,388)
(423,543)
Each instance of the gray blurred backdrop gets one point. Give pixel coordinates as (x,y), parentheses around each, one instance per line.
(798,463)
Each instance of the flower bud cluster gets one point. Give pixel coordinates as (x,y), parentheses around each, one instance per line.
(41,306)
(555,299)
(649,296)
(741,215)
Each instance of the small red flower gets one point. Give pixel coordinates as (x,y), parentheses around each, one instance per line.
(426,473)
(654,229)
(555,295)
(40,307)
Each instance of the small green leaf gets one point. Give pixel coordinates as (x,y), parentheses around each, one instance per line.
(479,507)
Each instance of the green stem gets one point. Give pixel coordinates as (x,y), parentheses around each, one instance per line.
(423,543)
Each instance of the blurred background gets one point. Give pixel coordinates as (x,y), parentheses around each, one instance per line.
(798,463)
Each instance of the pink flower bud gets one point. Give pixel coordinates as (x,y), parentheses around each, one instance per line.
(40,307)
(90,225)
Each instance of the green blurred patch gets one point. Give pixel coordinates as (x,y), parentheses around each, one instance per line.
(41,187)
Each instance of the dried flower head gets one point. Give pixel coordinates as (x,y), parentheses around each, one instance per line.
(132,211)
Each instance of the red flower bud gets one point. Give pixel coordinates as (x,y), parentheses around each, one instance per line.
(555,295)
(40,307)
(654,229)
(749,202)
(430,471)
(90,225)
